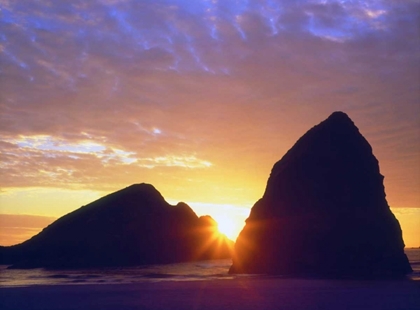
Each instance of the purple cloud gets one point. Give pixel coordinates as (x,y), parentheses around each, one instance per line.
(129,91)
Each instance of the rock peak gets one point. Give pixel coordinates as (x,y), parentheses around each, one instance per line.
(334,140)
(339,115)
(324,211)
(339,118)
(142,187)
(338,123)
(145,188)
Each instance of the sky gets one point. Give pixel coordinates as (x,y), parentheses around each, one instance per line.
(199,98)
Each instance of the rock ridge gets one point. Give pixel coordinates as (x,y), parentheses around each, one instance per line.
(133,226)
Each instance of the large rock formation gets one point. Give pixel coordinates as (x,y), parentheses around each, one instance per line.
(133,226)
(324,212)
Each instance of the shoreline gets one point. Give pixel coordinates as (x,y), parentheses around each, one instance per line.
(238,293)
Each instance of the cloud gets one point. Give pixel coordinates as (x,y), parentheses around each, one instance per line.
(54,161)
(129,90)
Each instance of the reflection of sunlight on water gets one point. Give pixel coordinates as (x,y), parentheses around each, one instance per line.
(194,271)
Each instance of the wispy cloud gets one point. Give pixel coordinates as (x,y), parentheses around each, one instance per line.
(111,92)
(55,161)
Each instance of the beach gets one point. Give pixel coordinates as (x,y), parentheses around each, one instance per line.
(239,293)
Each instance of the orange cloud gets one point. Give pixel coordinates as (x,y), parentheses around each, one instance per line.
(200,98)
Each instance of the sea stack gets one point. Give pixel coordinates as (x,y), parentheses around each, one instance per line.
(324,212)
(133,226)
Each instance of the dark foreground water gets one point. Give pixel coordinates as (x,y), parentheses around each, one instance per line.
(195,271)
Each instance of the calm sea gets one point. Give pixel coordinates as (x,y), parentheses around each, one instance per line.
(195,271)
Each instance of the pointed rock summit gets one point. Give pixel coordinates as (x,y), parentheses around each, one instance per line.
(133,226)
(324,212)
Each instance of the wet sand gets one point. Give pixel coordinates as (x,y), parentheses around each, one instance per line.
(240,293)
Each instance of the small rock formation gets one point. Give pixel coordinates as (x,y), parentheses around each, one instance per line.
(324,212)
(133,226)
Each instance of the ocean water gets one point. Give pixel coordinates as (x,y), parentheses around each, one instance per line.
(413,255)
(194,271)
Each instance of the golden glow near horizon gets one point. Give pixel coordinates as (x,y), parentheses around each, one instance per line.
(228,226)
(231,218)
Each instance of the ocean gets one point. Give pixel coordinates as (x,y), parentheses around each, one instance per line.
(193,271)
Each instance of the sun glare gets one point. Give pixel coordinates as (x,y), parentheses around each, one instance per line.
(230,218)
(229,226)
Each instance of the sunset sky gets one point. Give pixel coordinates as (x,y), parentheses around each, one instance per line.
(199,98)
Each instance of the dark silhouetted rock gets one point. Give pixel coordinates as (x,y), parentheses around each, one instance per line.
(324,212)
(132,226)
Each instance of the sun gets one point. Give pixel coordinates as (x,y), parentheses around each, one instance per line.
(228,226)
(230,219)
